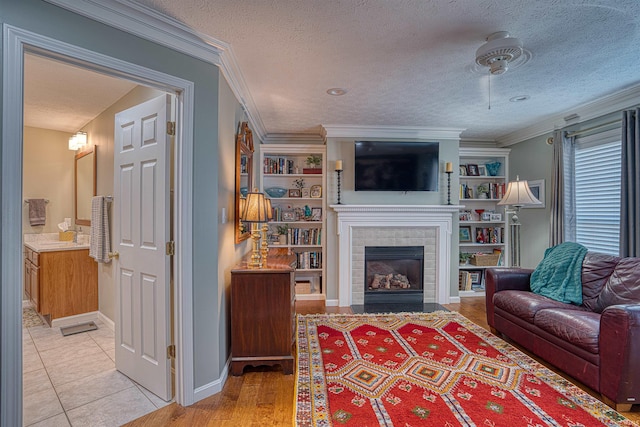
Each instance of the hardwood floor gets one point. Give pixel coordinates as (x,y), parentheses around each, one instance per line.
(263,396)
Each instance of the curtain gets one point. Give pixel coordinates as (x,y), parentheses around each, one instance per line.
(562,218)
(630,185)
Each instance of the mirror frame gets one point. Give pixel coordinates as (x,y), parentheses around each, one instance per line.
(244,147)
(93,150)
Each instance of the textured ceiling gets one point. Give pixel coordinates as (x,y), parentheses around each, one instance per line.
(62,97)
(411,62)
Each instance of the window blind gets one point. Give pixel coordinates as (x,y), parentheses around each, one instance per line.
(597,192)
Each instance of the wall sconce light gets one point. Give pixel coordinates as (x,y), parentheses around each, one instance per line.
(78,141)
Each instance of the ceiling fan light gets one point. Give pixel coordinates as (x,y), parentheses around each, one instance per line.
(498,51)
(499,66)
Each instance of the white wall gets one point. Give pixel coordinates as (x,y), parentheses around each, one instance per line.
(342,148)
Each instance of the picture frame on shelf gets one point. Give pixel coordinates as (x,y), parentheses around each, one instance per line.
(316,214)
(295,192)
(316,191)
(289,215)
(476,277)
(306,193)
(482,171)
(465,216)
(496,217)
(537,188)
(472,170)
(462,170)
(465,233)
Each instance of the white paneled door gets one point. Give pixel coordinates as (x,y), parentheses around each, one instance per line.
(141,230)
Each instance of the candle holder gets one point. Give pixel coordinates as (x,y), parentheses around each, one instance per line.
(339,172)
(449,188)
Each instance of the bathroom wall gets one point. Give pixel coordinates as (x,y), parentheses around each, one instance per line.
(48,174)
(100,134)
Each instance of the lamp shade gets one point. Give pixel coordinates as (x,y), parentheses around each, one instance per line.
(255,208)
(519,194)
(269,209)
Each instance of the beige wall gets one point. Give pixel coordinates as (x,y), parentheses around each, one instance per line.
(48,174)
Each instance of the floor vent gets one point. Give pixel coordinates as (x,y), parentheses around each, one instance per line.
(76,329)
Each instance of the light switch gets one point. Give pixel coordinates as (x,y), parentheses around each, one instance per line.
(224,215)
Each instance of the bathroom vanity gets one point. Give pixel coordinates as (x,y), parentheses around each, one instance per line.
(60,278)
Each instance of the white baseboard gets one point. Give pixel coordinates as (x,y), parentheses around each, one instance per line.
(331,303)
(74,320)
(108,322)
(213,387)
(454,300)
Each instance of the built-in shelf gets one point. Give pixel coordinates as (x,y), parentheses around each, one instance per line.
(292,213)
(482,199)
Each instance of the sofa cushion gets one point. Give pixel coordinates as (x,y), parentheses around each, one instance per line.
(525,304)
(623,286)
(580,328)
(596,269)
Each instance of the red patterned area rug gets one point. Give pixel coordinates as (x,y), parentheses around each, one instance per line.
(428,369)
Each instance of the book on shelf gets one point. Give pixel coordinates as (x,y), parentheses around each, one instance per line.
(278,166)
(464,281)
(309,260)
(491,190)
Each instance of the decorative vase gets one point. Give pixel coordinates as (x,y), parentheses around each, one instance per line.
(493,168)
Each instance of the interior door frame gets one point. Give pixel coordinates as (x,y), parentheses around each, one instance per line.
(16,42)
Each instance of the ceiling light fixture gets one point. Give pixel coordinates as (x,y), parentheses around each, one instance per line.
(498,51)
(336,91)
(77,141)
(520,98)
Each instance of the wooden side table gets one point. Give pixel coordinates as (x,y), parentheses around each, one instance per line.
(263,313)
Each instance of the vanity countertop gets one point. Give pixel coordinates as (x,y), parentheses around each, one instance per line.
(48,242)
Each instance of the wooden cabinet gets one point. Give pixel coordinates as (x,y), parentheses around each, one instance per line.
(61,283)
(263,313)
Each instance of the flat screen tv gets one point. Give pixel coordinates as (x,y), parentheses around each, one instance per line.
(396,166)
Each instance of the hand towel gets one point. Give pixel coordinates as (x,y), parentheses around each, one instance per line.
(100,243)
(37,211)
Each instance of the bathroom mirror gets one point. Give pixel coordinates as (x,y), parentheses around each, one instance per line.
(85,181)
(244,168)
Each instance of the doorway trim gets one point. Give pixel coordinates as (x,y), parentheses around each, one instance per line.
(16,42)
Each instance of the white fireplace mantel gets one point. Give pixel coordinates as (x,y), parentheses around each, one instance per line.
(417,216)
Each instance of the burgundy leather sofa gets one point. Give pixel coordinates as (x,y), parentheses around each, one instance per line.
(597,343)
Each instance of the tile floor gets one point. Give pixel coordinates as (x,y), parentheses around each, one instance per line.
(72,380)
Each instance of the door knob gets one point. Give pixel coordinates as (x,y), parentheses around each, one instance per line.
(114,254)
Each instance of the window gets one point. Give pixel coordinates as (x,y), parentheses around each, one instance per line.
(597,191)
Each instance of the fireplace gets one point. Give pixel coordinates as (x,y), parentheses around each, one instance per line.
(393,274)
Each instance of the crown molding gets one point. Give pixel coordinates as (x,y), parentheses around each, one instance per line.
(148,24)
(399,132)
(294,138)
(612,103)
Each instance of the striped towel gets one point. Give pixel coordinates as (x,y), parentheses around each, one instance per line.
(100,243)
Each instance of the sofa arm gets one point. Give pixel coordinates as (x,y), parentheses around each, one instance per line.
(619,349)
(502,279)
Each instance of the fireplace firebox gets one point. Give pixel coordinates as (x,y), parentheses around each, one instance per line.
(393,274)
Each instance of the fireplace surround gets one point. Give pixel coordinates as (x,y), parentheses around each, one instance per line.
(394,225)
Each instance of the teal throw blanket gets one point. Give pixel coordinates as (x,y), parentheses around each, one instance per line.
(559,274)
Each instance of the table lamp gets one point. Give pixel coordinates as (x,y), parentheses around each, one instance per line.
(255,211)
